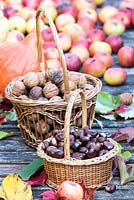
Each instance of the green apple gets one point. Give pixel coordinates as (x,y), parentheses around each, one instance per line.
(17,23)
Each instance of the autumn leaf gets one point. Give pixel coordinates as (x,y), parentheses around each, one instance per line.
(126,133)
(13,188)
(5,134)
(88,192)
(39,179)
(2,118)
(50,194)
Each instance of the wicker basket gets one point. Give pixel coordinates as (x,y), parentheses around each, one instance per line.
(95,172)
(29,112)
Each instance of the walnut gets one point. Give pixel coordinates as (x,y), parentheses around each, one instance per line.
(42,79)
(50,90)
(23,97)
(126,98)
(82,81)
(55,98)
(42,127)
(31,80)
(18,88)
(57,77)
(72,86)
(35,93)
(42,99)
(75,77)
(49,73)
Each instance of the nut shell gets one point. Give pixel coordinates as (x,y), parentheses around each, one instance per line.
(31,80)
(50,90)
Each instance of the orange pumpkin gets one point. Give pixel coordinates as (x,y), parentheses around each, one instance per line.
(16,59)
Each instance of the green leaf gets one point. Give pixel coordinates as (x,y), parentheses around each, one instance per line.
(10,115)
(106,102)
(31,169)
(127,114)
(5,134)
(126,155)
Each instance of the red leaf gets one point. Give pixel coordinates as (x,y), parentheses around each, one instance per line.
(126,133)
(39,179)
(2,119)
(49,195)
(88,192)
(122,108)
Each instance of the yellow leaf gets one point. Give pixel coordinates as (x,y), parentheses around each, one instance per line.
(13,188)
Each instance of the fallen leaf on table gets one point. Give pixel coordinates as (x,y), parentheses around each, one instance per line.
(49,195)
(39,179)
(88,192)
(11,115)
(31,169)
(126,133)
(5,134)
(126,170)
(13,188)
(2,118)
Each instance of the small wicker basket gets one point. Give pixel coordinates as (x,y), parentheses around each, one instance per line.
(95,172)
(29,112)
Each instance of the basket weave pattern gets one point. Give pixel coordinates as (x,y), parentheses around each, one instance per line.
(30,112)
(95,172)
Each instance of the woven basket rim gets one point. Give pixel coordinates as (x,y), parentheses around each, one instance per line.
(73,161)
(89,95)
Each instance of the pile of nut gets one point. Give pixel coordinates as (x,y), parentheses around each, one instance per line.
(47,86)
(84,144)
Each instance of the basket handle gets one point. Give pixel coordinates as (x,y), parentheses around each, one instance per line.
(68,117)
(57,41)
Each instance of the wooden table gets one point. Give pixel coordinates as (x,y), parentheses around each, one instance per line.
(14,154)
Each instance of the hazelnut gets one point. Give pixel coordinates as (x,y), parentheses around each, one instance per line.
(82,81)
(31,80)
(50,90)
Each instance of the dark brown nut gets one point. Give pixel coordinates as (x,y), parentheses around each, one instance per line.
(18,88)
(53,142)
(45,144)
(102,135)
(35,93)
(31,80)
(110,188)
(102,152)
(60,136)
(72,86)
(60,144)
(75,146)
(75,133)
(56,98)
(101,139)
(93,133)
(99,146)
(85,140)
(55,132)
(88,145)
(92,153)
(59,154)
(57,77)
(51,150)
(93,139)
(50,90)
(82,134)
(83,150)
(49,74)
(72,139)
(42,127)
(23,97)
(108,145)
(82,81)
(78,155)
(41,77)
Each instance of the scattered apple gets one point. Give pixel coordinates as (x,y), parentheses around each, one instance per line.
(52,13)
(132,18)
(49,44)
(115,41)
(66,7)
(99,2)
(9,11)
(106,58)
(17,23)
(62,20)
(51,53)
(27,13)
(113,26)
(126,56)
(88,12)
(127,4)
(47,3)
(4,24)
(83,41)
(81,51)
(53,63)
(47,34)
(99,46)
(31,4)
(96,34)
(14,36)
(81,4)
(124,18)
(94,67)
(106,13)
(65,41)
(73,62)
(115,76)
(86,23)
(31,25)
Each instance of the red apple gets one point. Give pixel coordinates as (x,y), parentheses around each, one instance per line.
(66,7)
(132,18)
(73,62)
(62,20)
(96,34)
(94,67)
(88,12)
(32,4)
(126,56)
(51,53)
(86,23)
(65,37)
(81,52)
(115,41)
(126,4)
(83,41)
(124,18)
(9,11)
(81,4)
(49,44)
(53,63)
(113,26)
(106,13)
(106,58)
(52,13)
(99,46)
(115,76)
(47,34)
(27,13)
(127,11)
